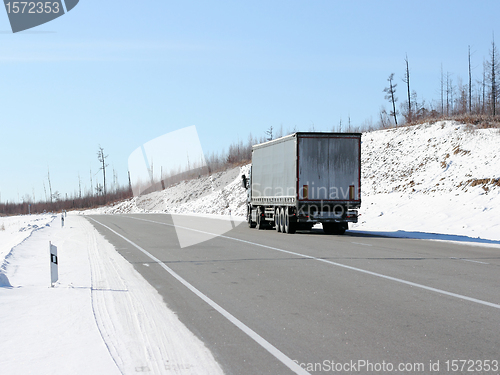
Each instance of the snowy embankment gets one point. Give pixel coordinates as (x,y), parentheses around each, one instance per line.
(417,181)
(13,231)
(219,194)
(101,317)
(441,178)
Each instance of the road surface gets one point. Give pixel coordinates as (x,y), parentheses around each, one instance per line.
(270,303)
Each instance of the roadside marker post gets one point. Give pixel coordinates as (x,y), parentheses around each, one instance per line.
(54,276)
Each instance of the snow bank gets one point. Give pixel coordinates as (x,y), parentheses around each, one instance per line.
(220,194)
(13,231)
(101,317)
(432,178)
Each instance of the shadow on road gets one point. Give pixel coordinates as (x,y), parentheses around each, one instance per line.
(422,236)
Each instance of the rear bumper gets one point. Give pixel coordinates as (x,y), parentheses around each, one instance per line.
(350,216)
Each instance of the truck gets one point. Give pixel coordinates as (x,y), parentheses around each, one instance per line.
(303,179)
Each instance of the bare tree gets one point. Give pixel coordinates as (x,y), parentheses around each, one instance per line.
(91,183)
(384,118)
(442,91)
(102,159)
(470,85)
(484,86)
(449,92)
(269,133)
(50,185)
(390,91)
(79,187)
(493,67)
(45,191)
(406,80)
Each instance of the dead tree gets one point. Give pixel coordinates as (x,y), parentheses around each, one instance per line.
(102,159)
(442,91)
(470,85)
(50,185)
(391,90)
(406,80)
(269,133)
(493,69)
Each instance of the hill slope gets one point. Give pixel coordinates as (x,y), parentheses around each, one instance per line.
(434,178)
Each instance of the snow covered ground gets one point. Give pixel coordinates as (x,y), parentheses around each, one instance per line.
(219,194)
(15,229)
(437,181)
(101,317)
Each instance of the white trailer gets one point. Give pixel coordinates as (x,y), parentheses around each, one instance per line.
(305,178)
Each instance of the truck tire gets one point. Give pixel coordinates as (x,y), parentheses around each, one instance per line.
(251,224)
(277,224)
(282,220)
(342,228)
(260,222)
(289,224)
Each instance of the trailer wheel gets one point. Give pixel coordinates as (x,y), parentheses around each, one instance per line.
(260,223)
(282,220)
(289,224)
(343,227)
(251,224)
(277,224)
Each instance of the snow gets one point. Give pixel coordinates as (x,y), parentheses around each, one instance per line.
(432,181)
(101,317)
(219,194)
(435,181)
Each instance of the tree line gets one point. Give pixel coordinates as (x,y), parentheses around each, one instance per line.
(477,97)
(54,201)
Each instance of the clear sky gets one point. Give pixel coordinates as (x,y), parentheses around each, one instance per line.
(120,73)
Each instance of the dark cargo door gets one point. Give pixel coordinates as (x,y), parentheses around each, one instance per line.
(329,168)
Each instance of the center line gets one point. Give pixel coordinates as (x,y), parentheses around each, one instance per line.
(421,286)
(469,260)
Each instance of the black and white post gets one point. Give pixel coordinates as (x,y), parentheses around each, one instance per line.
(54,276)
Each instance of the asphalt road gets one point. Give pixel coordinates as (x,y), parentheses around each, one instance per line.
(264,302)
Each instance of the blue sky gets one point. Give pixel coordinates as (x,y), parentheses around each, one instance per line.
(120,73)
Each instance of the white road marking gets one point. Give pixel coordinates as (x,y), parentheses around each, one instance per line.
(410,283)
(254,335)
(360,243)
(469,260)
